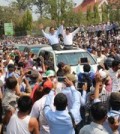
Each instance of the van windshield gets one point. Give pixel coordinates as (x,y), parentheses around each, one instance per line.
(73,58)
(35,50)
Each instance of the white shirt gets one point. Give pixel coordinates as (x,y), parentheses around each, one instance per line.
(37,112)
(11,62)
(68,39)
(93,128)
(115,80)
(101,59)
(116,115)
(53,38)
(17,125)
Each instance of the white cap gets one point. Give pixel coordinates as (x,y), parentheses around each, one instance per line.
(103,74)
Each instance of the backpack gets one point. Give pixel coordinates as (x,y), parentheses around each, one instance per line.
(85,77)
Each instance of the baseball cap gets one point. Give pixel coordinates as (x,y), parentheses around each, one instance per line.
(48,84)
(34,74)
(103,74)
(71,77)
(67,68)
(50,73)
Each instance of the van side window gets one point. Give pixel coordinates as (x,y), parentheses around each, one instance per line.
(48,58)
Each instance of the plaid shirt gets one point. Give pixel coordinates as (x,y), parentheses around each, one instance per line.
(103,97)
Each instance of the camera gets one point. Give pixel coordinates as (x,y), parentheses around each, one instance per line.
(61,79)
(80,85)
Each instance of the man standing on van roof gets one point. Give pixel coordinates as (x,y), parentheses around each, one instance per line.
(52,36)
(68,36)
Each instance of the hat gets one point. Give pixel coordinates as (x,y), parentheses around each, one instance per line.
(12,55)
(103,74)
(71,77)
(50,73)
(34,74)
(115,97)
(67,68)
(48,84)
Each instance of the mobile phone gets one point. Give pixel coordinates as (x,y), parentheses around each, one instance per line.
(61,79)
(84,60)
(80,85)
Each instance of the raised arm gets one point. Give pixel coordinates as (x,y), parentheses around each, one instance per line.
(60,30)
(48,103)
(75,110)
(43,32)
(97,86)
(75,31)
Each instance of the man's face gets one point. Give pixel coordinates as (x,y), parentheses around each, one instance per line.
(52,31)
(99,53)
(67,32)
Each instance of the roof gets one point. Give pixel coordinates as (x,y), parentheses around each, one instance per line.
(40,45)
(70,51)
(86,3)
(113,1)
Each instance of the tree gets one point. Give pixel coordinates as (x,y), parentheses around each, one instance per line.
(89,15)
(41,6)
(27,21)
(96,14)
(105,13)
(53,10)
(22,5)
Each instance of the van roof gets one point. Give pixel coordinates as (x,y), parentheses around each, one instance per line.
(69,51)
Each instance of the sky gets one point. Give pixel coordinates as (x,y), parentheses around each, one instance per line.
(78,2)
(35,16)
(6,3)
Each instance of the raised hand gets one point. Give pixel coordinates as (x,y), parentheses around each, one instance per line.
(41,26)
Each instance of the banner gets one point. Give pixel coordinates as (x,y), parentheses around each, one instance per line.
(8,29)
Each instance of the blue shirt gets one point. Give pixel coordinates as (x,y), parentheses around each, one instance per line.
(60,121)
(68,91)
(91,75)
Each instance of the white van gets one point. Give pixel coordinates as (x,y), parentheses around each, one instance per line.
(70,57)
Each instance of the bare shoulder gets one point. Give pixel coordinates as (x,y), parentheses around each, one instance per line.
(33,126)
(33,121)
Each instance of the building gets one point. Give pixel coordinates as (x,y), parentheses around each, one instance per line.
(90,3)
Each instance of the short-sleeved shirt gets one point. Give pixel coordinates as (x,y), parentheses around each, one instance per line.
(9,101)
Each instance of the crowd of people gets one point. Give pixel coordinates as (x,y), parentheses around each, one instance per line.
(35,98)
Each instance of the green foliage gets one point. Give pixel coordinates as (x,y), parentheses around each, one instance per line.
(96,18)
(27,20)
(42,6)
(53,10)
(89,15)
(22,5)
(105,13)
